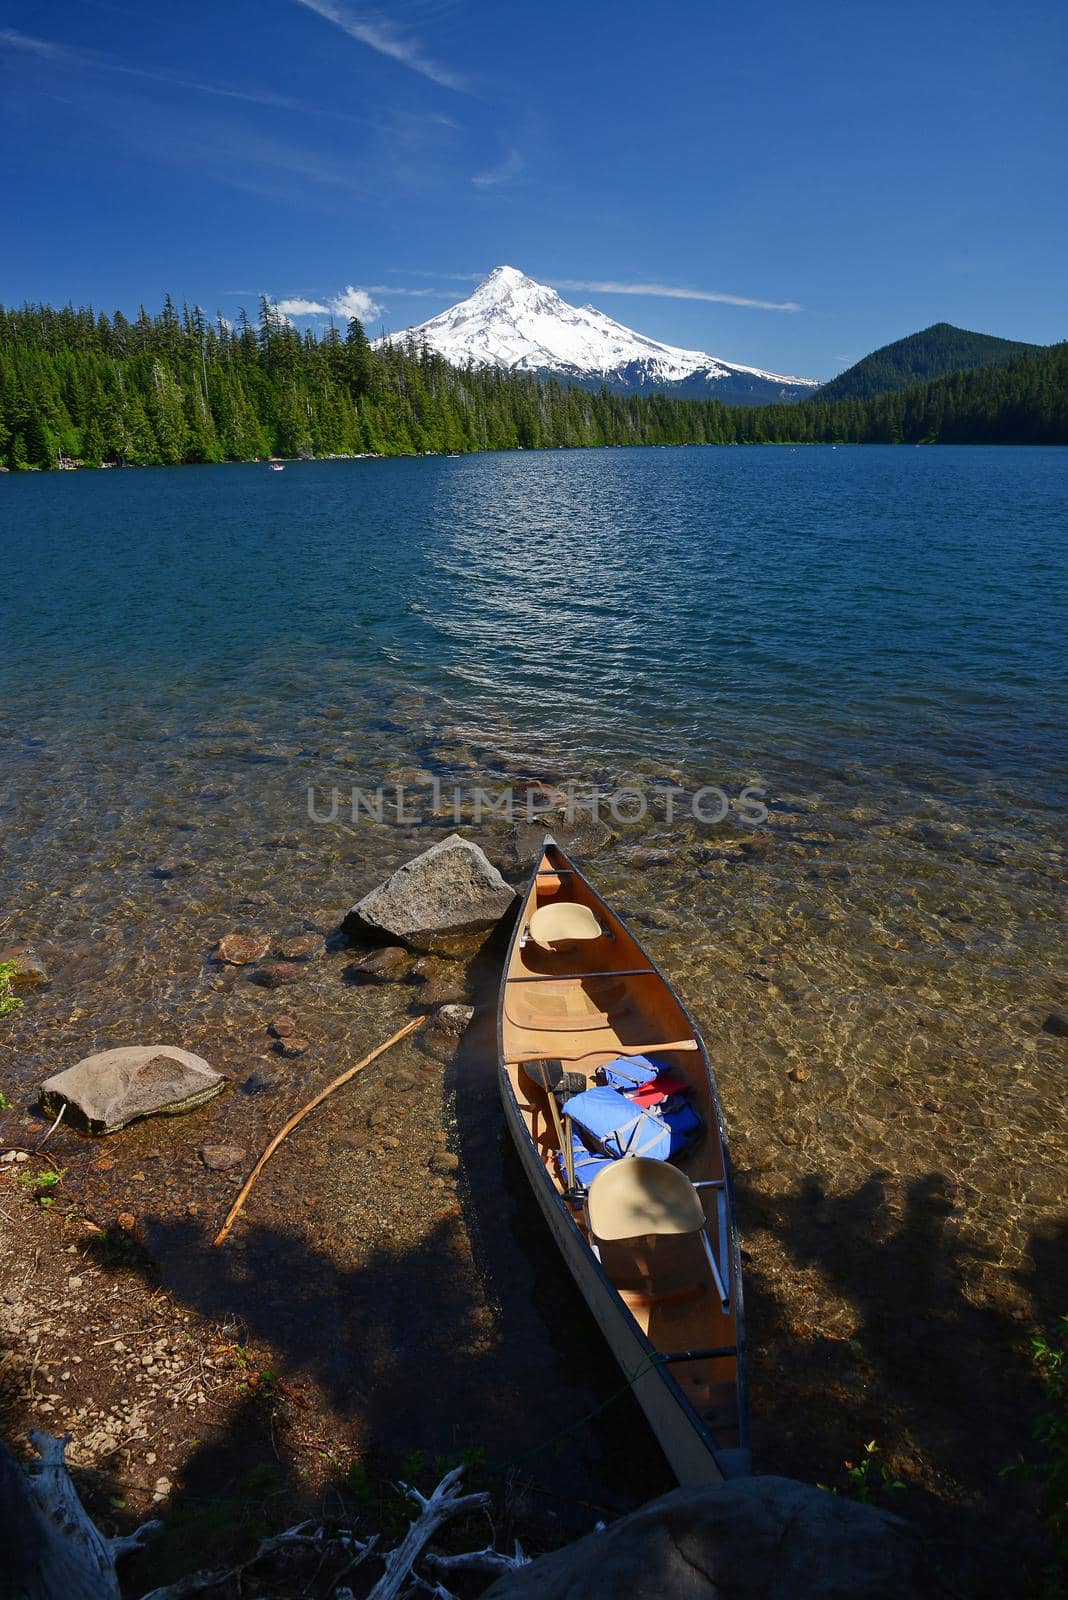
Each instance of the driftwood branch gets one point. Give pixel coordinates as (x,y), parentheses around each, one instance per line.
(197,1582)
(298,1117)
(59,1550)
(487,1560)
(434,1509)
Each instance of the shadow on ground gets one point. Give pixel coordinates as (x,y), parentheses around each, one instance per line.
(944,1385)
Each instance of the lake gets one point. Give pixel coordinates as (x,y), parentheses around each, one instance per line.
(873,638)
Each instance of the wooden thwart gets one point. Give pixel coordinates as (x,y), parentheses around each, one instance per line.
(623,1050)
(298,1116)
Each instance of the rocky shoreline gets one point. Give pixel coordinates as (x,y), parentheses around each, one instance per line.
(355,1301)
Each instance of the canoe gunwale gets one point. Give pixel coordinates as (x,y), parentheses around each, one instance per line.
(555,1206)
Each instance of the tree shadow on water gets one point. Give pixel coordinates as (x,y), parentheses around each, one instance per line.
(864,1324)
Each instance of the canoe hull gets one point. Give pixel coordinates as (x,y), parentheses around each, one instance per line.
(578,988)
(688,1447)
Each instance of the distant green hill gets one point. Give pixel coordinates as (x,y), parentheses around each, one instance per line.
(919,359)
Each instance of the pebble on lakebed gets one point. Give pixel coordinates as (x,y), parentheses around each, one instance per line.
(221,1157)
(291,1045)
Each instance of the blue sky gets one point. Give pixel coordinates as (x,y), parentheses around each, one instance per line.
(789,186)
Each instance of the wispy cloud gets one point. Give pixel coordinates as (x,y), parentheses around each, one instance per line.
(668,291)
(509,168)
(379,33)
(62,55)
(447,277)
(427,294)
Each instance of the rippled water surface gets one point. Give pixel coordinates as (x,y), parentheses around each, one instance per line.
(875,637)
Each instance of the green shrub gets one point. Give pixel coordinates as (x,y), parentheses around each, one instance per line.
(9,1000)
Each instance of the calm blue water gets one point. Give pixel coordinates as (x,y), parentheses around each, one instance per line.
(779,612)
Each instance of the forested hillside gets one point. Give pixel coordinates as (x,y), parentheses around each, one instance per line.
(81,388)
(921,358)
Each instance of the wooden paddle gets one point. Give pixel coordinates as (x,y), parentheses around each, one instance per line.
(541,1066)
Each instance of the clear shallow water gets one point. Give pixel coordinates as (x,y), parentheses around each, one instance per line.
(876,636)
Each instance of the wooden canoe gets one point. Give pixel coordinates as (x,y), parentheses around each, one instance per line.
(580,990)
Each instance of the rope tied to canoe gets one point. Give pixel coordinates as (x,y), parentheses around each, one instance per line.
(652,1363)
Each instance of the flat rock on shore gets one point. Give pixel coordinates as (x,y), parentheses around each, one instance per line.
(108,1090)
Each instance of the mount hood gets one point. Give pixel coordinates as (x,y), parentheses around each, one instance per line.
(514,322)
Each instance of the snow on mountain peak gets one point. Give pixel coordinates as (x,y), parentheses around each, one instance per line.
(512,321)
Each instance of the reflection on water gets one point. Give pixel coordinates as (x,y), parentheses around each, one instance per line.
(872,635)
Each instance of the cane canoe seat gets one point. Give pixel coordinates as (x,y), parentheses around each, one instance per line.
(563,923)
(569,1004)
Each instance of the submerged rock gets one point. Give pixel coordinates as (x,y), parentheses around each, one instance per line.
(263,1081)
(451,1020)
(1057,1024)
(299,946)
(110,1089)
(389,964)
(443,1163)
(242,949)
(583,836)
(750,1539)
(221,1157)
(291,1044)
(30,971)
(277,973)
(451,891)
(440,990)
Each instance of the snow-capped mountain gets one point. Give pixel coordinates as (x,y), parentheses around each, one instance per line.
(512,321)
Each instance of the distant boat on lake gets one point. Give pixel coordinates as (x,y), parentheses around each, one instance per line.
(277,466)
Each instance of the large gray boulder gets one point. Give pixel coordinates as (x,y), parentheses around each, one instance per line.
(106,1091)
(450,892)
(750,1539)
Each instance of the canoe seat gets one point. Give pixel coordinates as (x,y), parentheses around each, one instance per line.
(646,1222)
(562,924)
(640,1196)
(572,1004)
